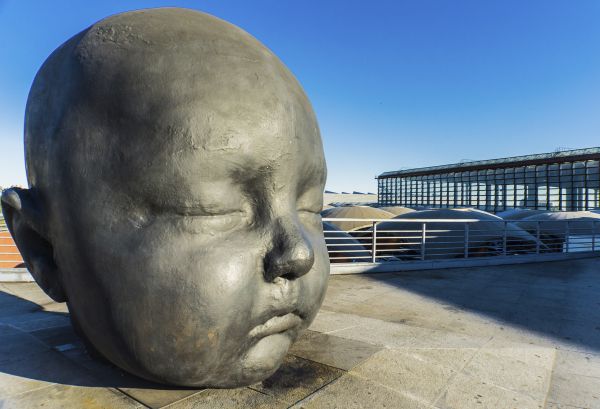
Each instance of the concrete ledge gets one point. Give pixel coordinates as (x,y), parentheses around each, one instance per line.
(395,266)
(23,275)
(15,275)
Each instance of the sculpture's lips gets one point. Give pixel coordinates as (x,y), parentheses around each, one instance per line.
(277,325)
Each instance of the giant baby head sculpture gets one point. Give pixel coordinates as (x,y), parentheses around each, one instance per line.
(176,174)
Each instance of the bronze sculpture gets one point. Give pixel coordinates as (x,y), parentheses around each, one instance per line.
(176,174)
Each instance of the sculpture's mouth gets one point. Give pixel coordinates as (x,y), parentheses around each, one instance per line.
(277,325)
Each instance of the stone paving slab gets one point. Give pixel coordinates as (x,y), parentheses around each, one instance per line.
(519,337)
(573,363)
(512,373)
(56,336)
(327,322)
(240,398)
(296,379)
(552,405)
(352,392)
(466,392)
(15,346)
(159,398)
(66,396)
(415,373)
(334,351)
(40,370)
(575,390)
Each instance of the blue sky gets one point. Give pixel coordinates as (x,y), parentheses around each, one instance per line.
(395,84)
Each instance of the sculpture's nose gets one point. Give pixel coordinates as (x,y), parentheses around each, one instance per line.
(291,254)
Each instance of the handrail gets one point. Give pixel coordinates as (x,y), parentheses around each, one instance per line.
(368,221)
(469,240)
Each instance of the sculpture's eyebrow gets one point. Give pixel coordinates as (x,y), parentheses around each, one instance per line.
(201,210)
(312,175)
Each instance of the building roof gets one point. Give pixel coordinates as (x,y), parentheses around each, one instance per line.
(539,158)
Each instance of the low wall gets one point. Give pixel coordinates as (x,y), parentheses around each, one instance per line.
(9,254)
(392,267)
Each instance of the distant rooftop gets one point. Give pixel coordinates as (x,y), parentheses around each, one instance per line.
(559,156)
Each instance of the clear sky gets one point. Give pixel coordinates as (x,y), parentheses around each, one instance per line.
(395,84)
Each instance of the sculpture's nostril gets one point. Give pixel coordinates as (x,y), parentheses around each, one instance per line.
(289,276)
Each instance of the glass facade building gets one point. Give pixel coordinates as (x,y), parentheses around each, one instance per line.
(566,180)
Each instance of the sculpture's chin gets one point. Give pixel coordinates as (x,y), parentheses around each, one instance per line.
(263,359)
(260,361)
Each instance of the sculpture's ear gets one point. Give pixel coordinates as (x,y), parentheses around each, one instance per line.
(24,220)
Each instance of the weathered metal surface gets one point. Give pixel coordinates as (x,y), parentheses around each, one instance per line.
(176,176)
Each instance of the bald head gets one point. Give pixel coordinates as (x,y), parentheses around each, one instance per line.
(177,176)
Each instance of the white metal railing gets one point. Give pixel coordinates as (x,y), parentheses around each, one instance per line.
(385,241)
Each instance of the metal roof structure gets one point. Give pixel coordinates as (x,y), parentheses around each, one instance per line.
(555,157)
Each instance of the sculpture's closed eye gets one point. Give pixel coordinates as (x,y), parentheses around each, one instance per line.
(213,223)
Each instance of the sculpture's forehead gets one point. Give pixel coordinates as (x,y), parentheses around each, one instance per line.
(183,166)
(200,151)
(208,125)
(170,57)
(175,146)
(183,104)
(189,154)
(206,84)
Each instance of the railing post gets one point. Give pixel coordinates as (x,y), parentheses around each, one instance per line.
(537,238)
(423,236)
(504,240)
(466,240)
(567,233)
(374,243)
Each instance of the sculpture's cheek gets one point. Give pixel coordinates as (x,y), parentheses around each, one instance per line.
(314,283)
(171,309)
(209,296)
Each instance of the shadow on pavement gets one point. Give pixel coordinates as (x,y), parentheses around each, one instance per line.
(560,300)
(41,345)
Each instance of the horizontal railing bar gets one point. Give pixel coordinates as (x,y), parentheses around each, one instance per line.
(343,219)
(350,258)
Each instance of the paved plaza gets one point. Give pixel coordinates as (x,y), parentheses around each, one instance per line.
(521,337)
